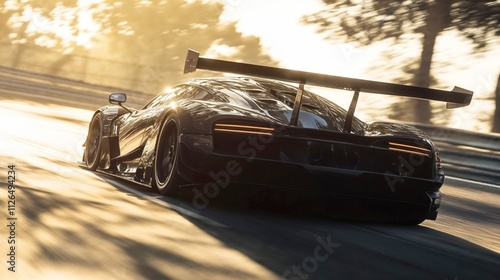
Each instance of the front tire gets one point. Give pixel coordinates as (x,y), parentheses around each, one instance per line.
(94,142)
(165,177)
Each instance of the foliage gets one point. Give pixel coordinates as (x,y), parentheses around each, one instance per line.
(370,21)
(132,44)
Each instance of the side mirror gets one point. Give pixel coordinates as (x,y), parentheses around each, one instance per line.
(117,98)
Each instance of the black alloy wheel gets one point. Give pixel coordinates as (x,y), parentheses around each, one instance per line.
(165,177)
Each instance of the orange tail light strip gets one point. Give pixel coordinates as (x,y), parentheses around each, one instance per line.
(244,129)
(244,126)
(410,149)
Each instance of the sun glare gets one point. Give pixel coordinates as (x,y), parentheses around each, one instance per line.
(60,29)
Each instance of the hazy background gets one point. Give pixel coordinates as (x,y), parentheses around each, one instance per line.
(141,45)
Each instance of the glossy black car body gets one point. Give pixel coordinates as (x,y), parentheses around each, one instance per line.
(220,131)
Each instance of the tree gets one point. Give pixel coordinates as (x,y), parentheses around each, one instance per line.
(369,21)
(138,45)
(496,116)
(153,38)
(12,35)
(29,24)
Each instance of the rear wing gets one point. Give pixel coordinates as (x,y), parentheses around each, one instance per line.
(457,97)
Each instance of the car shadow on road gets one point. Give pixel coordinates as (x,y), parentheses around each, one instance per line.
(303,244)
(72,224)
(72,219)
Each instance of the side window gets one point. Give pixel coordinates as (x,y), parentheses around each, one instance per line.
(164,97)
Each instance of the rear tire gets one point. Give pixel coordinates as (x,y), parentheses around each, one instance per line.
(94,142)
(166,180)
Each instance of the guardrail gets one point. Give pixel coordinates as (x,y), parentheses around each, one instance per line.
(18,81)
(456,136)
(464,154)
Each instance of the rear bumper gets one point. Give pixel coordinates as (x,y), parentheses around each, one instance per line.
(375,191)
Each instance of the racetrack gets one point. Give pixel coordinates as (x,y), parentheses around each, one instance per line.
(76,224)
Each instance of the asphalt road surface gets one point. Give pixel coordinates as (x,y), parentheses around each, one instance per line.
(75,224)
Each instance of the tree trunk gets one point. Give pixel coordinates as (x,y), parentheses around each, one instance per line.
(21,47)
(18,55)
(56,67)
(422,108)
(423,77)
(438,19)
(496,116)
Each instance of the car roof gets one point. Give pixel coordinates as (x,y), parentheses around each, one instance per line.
(239,83)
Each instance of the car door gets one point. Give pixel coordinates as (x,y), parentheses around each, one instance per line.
(130,130)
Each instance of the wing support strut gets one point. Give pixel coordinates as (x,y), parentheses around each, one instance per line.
(350,113)
(294,119)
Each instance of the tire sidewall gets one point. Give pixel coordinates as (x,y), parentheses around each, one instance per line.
(168,187)
(95,163)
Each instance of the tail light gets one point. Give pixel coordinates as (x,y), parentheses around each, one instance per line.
(245,129)
(411,149)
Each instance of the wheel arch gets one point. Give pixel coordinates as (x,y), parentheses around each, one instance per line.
(89,126)
(145,167)
(108,115)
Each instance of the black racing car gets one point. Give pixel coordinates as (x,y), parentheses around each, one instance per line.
(254,131)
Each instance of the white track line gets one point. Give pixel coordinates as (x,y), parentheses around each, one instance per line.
(473,182)
(157,200)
